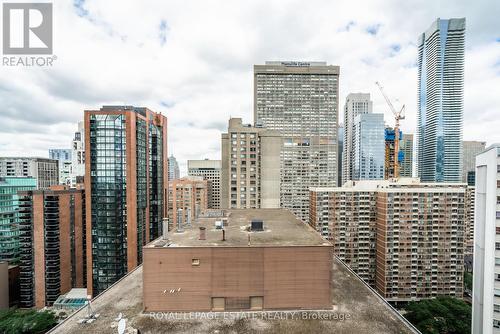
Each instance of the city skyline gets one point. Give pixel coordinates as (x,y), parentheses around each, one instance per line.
(206,85)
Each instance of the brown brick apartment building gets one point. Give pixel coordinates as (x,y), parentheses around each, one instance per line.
(284,265)
(187,196)
(405,238)
(52,244)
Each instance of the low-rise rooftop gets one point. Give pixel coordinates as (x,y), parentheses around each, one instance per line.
(355,309)
(280,228)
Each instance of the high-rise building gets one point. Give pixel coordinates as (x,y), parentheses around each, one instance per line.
(347,217)
(471,149)
(406,146)
(209,170)
(78,156)
(45,171)
(403,237)
(300,100)
(486,279)
(9,219)
(250,177)
(389,153)
(470,202)
(63,155)
(173,168)
(340,150)
(187,197)
(368,147)
(52,244)
(125,187)
(355,104)
(440,101)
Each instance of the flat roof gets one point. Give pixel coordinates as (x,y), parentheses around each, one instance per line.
(281,228)
(363,310)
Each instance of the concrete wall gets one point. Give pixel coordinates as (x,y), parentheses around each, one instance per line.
(286,277)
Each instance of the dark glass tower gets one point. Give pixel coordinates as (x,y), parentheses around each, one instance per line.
(126,175)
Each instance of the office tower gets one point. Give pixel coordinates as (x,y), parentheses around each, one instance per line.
(406,146)
(300,100)
(9,220)
(45,171)
(347,217)
(471,149)
(209,170)
(52,244)
(340,149)
(187,197)
(250,176)
(440,101)
(389,153)
(125,187)
(355,104)
(78,156)
(63,156)
(486,279)
(173,168)
(368,148)
(404,237)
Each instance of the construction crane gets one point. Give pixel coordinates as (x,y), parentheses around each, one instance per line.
(398,116)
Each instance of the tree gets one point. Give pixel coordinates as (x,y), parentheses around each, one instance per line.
(441,315)
(26,322)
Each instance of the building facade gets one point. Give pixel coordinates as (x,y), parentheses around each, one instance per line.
(403,237)
(471,149)
(45,171)
(250,177)
(9,218)
(187,197)
(440,101)
(406,146)
(173,168)
(78,156)
(355,104)
(368,147)
(65,163)
(52,244)
(259,260)
(486,279)
(470,204)
(340,150)
(300,100)
(347,217)
(210,170)
(126,189)
(389,153)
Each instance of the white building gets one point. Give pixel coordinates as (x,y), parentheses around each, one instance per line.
(486,281)
(355,104)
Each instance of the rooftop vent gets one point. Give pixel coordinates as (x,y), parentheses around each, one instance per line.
(257,225)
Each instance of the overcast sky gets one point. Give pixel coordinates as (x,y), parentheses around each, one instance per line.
(193,61)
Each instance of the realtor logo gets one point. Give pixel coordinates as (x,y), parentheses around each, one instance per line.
(27,28)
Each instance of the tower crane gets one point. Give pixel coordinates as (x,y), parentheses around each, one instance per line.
(398,116)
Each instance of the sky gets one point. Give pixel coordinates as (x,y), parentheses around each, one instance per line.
(193,62)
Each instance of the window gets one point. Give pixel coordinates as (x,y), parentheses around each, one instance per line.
(195,262)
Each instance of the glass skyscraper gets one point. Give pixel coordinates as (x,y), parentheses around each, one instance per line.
(126,189)
(368,147)
(440,101)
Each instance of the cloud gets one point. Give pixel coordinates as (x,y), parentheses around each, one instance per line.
(193,61)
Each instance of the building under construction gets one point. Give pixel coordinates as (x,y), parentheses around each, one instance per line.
(389,171)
